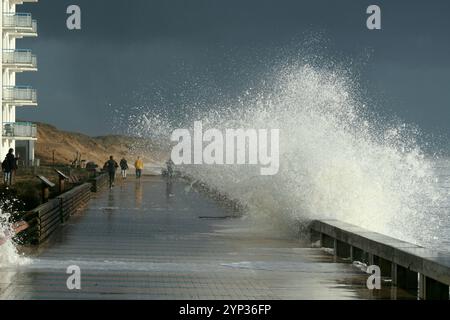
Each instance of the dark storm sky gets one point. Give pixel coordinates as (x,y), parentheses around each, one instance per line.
(141,51)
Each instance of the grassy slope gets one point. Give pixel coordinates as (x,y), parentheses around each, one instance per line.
(97,149)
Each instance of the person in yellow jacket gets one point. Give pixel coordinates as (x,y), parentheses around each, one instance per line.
(139,165)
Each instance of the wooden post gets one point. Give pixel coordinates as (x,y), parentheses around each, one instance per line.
(46,185)
(316,239)
(394,274)
(45,193)
(62,177)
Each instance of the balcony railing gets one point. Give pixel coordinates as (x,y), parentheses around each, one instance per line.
(20,59)
(21,1)
(19,130)
(20,22)
(19,96)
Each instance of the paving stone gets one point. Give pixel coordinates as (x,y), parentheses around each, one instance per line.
(139,242)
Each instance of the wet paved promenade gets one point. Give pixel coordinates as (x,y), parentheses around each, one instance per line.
(146,240)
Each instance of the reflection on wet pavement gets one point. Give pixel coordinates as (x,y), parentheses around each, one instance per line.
(145,240)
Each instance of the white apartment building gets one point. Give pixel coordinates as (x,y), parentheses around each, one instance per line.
(20,136)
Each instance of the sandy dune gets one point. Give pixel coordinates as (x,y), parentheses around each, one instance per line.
(65,146)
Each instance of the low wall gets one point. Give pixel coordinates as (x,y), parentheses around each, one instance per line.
(409,266)
(45,219)
(99,182)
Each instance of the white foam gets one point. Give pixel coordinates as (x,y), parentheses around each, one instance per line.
(337,160)
(9,257)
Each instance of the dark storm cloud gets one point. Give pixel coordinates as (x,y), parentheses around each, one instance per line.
(131,52)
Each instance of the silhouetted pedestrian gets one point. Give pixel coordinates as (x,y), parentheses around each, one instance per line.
(170,164)
(124,167)
(111,166)
(9,165)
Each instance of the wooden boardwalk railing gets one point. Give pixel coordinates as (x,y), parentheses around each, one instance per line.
(99,182)
(44,220)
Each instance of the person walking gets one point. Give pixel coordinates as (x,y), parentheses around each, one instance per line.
(9,166)
(139,165)
(170,164)
(124,167)
(111,166)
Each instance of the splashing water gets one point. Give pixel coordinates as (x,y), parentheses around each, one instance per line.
(9,256)
(337,160)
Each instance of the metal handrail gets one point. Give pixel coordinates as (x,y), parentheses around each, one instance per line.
(24,93)
(19,21)
(22,57)
(19,129)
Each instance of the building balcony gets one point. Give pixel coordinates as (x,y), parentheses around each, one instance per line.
(19,60)
(19,96)
(20,24)
(22,1)
(19,131)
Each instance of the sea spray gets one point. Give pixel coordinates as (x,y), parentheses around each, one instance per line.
(337,158)
(9,256)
